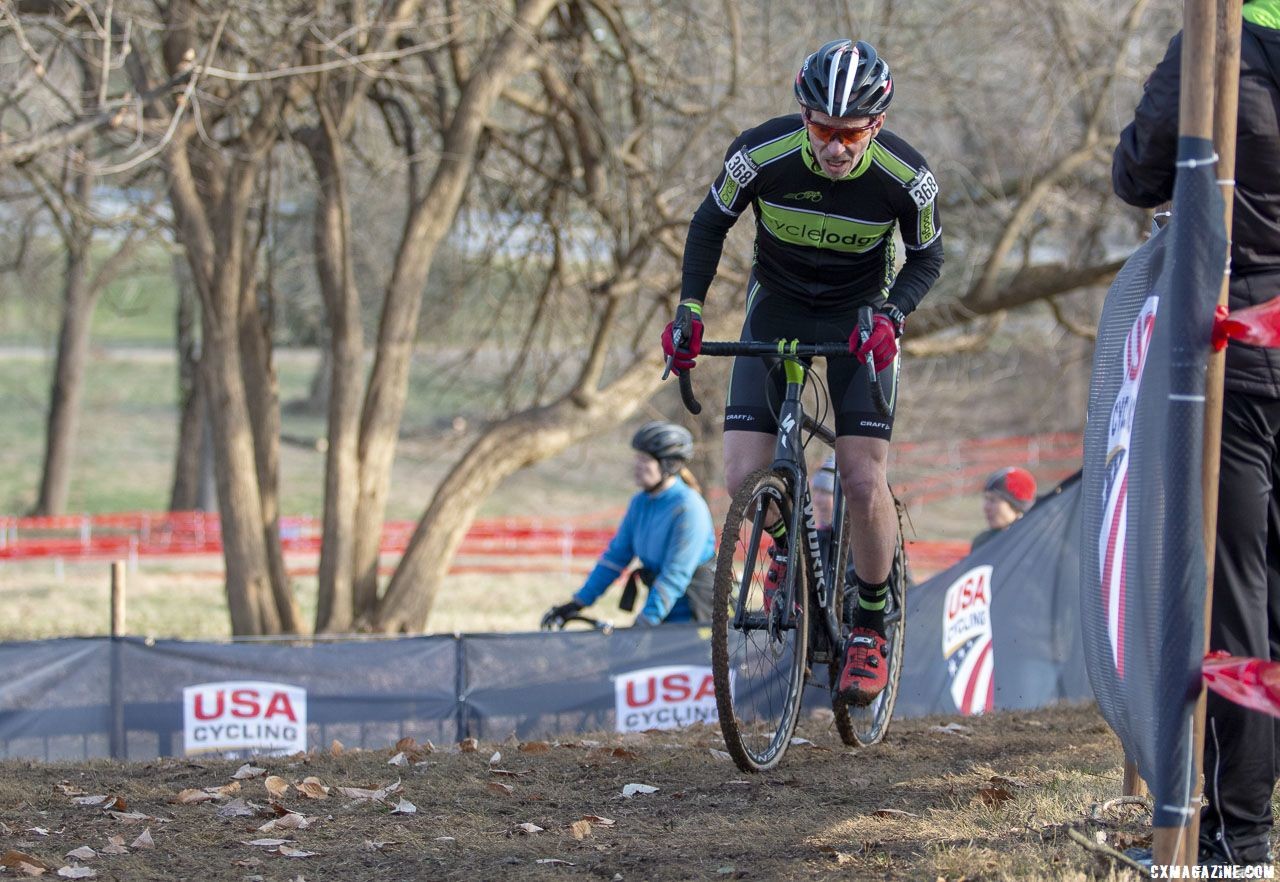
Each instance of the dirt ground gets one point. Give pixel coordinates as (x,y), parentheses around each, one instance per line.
(995,799)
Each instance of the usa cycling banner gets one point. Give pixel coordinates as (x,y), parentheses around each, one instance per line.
(1142,572)
(1000,630)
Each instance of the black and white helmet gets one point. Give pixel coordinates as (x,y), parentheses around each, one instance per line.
(664,441)
(845,78)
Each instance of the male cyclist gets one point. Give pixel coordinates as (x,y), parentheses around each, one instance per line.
(828,186)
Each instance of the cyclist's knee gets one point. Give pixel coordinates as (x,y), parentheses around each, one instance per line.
(744,453)
(864,488)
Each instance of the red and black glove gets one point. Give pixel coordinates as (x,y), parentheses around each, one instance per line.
(688,321)
(881,343)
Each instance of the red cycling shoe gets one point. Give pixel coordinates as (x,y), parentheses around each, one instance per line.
(866,667)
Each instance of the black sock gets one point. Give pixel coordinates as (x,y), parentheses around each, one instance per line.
(869,610)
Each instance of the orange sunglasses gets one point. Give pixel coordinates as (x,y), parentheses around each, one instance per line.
(849,137)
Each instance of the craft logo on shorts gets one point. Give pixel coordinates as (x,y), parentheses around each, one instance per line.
(244,716)
(966,641)
(668,697)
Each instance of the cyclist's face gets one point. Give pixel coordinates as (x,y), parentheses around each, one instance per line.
(999,512)
(839,142)
(646,471)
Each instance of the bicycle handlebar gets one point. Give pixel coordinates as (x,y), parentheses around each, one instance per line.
(792,350)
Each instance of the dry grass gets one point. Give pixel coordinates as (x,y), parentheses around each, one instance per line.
(814,818)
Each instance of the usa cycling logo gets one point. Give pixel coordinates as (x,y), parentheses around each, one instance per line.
(1115,517)
(966,641)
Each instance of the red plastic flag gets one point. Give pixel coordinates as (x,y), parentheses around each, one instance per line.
(1249,682)
(1256,325)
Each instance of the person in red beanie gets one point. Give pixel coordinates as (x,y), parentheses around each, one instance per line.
(1007,496)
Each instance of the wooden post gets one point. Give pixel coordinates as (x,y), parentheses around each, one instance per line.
(1226,107)
(1133,783)
(116,739)
(1171,845)
(117,598)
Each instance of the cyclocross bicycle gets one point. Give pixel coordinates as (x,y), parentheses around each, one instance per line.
(763,650)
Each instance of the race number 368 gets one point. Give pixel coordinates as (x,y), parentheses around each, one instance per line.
(923,189)
(740,168)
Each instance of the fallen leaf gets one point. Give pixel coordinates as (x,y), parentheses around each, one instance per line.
(632,789)
(267,843)
(225,790)
(528,829)
(247,862)
(77,873)
(993,795)
(378,844)
(496,758)
(534,747)
(1005,781)
(236,808)
(67,789)
(39,831)
(597,821)
(500,788)
(468,745)
(952,729)
(115,845)
(144,840)
(445,839)
(580,829)
(727,871)
(398,760)
(892,813)
(83,853)
(720,754)
(192,796)
(98,799)
(12,859)
(404,807)
(294,852)
(841,858)
(25,869)
(248,771)
(276,786)
(554,861)
(336,748)
(312,788)
(291,821)
(132,817)
(797,740)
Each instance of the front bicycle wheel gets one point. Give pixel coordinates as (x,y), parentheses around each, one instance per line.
(757,652)
(866,726)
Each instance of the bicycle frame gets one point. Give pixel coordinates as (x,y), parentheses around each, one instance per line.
(788,457)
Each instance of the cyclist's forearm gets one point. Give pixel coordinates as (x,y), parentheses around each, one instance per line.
(918,273)
(702,249)
(601,577)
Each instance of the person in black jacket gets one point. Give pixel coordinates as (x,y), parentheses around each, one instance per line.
(1242,747)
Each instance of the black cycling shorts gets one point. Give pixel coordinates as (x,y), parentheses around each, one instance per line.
(756,391)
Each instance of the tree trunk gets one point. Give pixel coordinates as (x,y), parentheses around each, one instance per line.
(504,447)
(335,610)
(429,221)
(187,460)
(212,218)
(68,374)
(263,399)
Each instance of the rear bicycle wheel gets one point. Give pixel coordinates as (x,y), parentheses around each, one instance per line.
(866,726)
(758,663)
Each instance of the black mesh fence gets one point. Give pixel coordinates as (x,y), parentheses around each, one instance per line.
(1142,570)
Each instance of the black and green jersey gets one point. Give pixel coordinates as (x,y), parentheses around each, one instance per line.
(818,239)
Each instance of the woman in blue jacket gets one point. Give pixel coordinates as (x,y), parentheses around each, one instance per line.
(668,526)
